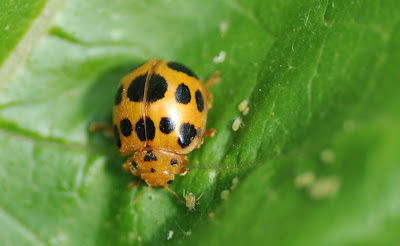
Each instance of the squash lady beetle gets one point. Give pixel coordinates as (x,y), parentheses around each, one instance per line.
(160,114)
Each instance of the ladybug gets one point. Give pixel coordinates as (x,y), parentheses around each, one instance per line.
(160,115)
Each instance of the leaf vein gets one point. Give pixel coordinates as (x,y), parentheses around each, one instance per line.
(38,29)
(32,235)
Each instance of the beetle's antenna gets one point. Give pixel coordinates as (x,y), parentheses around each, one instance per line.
(133,184)
(214,79)
(138,198)
(174,193)
(198,198)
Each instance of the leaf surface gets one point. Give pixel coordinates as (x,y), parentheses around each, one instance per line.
(321,79)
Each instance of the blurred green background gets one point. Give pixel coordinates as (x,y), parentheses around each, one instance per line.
(317,156)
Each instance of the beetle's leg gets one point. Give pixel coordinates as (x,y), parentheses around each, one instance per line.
(210,133)
(183,171)
(174,193)
(134,184)
(209,101)
(213,79)
(141,194)
(94,127)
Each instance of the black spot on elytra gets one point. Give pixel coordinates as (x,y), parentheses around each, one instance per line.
(181,68)
(157,88)
(126,127)
(140,129)
(150,156)
(182,94)
(199,101)
(170,181)
(187,132)
(118,95)
(153,170)
(167,125)
(151,130)
(174,162)
(136,88)
(116,135)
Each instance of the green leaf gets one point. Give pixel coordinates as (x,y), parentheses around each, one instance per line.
(316,157)
(16,19)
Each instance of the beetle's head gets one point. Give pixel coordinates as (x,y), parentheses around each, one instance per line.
(158,168)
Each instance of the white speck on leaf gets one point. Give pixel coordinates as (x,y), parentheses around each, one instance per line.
(223,27)
(170,234)
(349,125)
(211,177)
(7,27)
(225,194)
(325,188)
(327,156)
(220,58)
(60,238)
(304,180)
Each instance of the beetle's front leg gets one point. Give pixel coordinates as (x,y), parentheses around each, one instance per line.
(130,167)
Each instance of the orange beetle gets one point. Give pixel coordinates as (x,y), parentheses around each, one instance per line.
(160,114)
